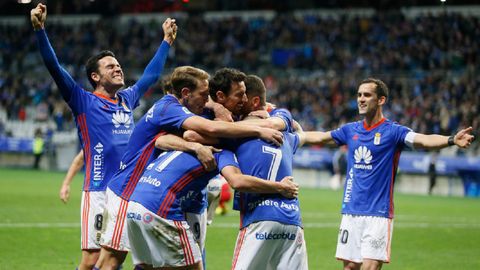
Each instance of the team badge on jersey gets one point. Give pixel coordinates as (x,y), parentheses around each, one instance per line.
(125,106)
(377,138)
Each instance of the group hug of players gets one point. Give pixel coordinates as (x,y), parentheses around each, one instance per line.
(145,183)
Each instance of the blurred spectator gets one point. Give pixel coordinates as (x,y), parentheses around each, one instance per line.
(38,147)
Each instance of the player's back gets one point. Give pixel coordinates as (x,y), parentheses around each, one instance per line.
(173,178)
(165,116)
(261,159)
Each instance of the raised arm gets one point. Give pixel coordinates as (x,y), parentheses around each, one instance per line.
(65,82)
(155,67)
(231,130)
(247,183)
(75,167)
(204,153)
(462,139)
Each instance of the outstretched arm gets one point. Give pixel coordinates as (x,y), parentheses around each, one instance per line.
(65,82)
(462,139)
(169,142)
(313,137)
(231,130)
(247,183)
(155,67)
(76,165)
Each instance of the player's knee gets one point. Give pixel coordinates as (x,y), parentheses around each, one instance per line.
(89,259)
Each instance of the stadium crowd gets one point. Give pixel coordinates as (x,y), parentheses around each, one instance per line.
(310,64)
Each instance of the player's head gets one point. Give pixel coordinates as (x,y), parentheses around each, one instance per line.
(372,95)
(104,70)
(256,94)
(227,87)
(190,86)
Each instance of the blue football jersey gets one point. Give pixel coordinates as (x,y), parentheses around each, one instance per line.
(104,124)
(165,116)
(372,160)
(261,159)
(173,178)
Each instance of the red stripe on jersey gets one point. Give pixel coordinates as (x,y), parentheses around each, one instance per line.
(140,167)
(178,186)
(82,122)
(368,128)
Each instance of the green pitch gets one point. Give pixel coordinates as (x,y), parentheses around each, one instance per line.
(37,231)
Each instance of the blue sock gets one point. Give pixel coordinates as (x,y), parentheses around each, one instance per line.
(138,267)
(95,268)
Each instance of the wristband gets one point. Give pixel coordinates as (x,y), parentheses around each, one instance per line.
(451,140)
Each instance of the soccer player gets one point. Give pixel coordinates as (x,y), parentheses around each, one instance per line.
(374,147)
(171,114)
(104,120)
(158,232)
(271,234)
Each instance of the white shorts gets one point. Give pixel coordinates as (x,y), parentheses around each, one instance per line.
(198,226)
(160,242)
(270,245)
(114,234)
(364,237)
(91,218)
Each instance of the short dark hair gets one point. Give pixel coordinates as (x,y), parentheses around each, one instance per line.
(92,64)
(186,76)
(222,81)
(256,87)
(380,87)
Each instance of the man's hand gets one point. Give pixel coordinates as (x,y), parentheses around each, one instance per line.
(262,114)
(221,113)
(169,30)
(65,193)
(38,16)
(271,135)
(464,138)
(288,188)
(205,155)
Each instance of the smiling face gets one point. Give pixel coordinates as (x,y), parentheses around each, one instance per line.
(109,74)
(367,99)
(234,102)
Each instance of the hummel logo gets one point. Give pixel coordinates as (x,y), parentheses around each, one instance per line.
(362,152)
(120,118)
(98,148)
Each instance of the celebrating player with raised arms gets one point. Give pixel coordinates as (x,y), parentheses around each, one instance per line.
(104,120)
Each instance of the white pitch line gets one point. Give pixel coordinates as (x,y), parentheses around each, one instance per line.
(419,225)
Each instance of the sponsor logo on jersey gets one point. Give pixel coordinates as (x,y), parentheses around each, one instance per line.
(362,153)
(150,180)
(98,164)
(119,118)
(348,188)
(274,236)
